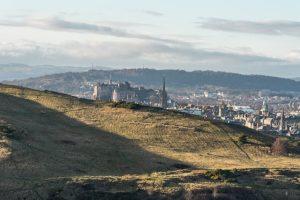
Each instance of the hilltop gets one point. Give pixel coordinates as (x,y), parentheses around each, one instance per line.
(14,71)
(74,83)
(57,146)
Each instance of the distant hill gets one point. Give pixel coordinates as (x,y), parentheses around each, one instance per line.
(72,83)
(296,79)
(13,71)
(55,146)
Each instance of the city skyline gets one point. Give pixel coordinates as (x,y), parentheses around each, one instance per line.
(233,36)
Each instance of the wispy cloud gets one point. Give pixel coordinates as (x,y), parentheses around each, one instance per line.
(59,24)
(290,28)
(126,24)
(153,13)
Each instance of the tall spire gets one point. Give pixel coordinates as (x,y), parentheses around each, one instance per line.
(164,94)
(110,79)
(164,84)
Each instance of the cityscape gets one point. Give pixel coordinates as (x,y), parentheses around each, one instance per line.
(149,100)
(267,112)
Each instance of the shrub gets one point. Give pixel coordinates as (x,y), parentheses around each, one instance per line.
(123,104)
(198,129)
(242,139)
(8,131)
(222,175)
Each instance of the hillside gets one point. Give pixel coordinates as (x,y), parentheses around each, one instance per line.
(54,146)
(73,83)
(14,71)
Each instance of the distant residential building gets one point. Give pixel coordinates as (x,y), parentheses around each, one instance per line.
(208,94)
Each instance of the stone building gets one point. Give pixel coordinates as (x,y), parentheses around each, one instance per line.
(125,92)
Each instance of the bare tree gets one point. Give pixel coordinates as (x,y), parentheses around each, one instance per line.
(279,147)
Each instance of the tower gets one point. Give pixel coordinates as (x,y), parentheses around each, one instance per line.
(164,95)
(110,80)
(96,92)
(115,96)
(220,112)
(265,108)
(222,109)
(282,121)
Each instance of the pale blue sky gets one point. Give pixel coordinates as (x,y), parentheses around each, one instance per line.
(257,36)
(234,9)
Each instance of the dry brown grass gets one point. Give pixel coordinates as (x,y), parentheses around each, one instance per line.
(201,143)
(68,137)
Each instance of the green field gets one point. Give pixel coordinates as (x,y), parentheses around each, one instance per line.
(54,146)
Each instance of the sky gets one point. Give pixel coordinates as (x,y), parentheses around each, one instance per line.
(248,37)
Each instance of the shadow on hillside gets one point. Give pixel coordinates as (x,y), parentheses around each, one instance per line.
(55,145)
(249,184)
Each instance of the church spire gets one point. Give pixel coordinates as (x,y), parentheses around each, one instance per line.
(164,94)
(282,121)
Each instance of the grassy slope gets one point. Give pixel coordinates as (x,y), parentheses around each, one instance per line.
(62,136)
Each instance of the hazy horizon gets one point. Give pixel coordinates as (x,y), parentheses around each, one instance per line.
(19,71)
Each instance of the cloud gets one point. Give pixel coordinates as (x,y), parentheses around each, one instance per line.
(125,24)
(153,13)
(130,54)
(294,55)
(191,58)
(290,28)
(136,54)
(138,50)
(59,24)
